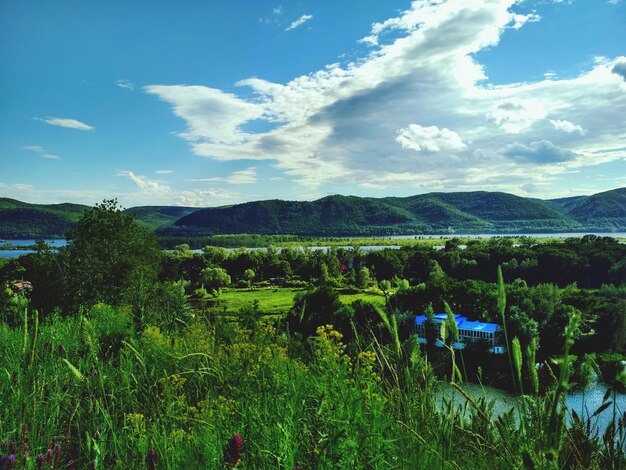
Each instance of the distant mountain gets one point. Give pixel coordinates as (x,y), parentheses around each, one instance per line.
(463,212)
(157,217)
(332,215)
(22,220)
(606,210)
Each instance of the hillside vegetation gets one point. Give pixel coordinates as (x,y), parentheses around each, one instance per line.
(463,212)
(434,213)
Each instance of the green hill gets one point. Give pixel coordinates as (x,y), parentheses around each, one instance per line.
(462,212)
(22,220)
(157,217)
(332,215)
(606,210)
(466,212)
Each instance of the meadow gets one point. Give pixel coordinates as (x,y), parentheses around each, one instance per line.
(276,300)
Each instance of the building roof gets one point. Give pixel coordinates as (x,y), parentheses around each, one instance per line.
(462,322)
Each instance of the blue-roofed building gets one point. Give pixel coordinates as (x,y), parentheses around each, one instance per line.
(469,331)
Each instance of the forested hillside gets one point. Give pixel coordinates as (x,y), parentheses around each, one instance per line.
(434,213)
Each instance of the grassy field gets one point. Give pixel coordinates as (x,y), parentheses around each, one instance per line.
(276,300)
(89,391)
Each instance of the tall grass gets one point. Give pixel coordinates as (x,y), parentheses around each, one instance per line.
(108,394)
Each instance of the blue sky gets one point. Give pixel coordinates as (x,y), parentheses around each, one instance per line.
(211,103)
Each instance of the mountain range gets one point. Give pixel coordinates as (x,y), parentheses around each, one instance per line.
(431,213)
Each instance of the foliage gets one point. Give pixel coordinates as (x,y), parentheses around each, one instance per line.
(110,257)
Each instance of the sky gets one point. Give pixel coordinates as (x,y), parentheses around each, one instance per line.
(202,103)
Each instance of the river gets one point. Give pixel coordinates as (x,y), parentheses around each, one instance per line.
(61,242)
(26,242)
(583,402)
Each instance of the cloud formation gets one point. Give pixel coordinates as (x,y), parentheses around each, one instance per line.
(540,152)
(567,126)
(124,83)
(41,152)
(299,22)
(247,176)
(358,121)
(157,192)
(431,139)
(67,123)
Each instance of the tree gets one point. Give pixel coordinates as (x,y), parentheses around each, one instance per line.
(248,275)
(111,259)
(315,308)
(215,278)
(363,278)
(385,286)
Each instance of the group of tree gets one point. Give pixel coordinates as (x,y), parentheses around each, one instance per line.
(110,258)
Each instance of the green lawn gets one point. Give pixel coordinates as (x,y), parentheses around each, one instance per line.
(272,300)
(276,300)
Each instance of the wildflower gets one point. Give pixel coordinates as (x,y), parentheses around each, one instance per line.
(233,450)
(25,441)
(57,455)
(7,461)
(12,447)
(41,458)
(151,459)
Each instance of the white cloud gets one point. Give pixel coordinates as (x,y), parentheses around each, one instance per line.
(431,139)
(164,172)
(520,20)
(299,22)
(127,84)
(567,126)
(247,176)
(158,191)
(515,115)
(68,123)
(34,148)
(344,122)
(41,152)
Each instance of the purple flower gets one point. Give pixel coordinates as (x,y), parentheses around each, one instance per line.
(233,450)
(7,461)
(57,455)
(41,458)
(151,459)
(12,447)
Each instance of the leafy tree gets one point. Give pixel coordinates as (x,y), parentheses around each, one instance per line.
(315,308)
(112,258)
(522,326)
(363,278)
(248,276)
(385,286)
(215,278)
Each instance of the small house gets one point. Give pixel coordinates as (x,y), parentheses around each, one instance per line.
(469,332)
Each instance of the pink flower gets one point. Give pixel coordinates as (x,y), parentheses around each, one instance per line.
(233,450)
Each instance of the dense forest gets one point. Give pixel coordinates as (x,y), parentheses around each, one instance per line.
(439,213)
(119,354)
